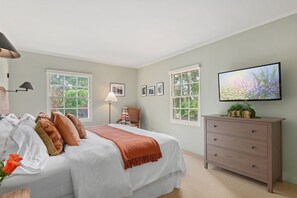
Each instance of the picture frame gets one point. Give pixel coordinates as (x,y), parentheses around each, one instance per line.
(151,91)
(118,89)
(160,88)
(143,90)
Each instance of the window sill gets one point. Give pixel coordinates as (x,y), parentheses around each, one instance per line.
(186,123)
(84,120)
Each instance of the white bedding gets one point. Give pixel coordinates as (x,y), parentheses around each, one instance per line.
(23,139)
(97,167)
(53,182)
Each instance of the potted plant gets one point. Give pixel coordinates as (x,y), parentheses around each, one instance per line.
(247,111)
(231,110)
(235,110)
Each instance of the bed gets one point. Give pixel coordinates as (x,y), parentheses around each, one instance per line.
(66,175)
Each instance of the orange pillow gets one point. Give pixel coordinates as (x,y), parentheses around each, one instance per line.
(67,129)
(42,115)
(53,113)
(50,136)
(78,125)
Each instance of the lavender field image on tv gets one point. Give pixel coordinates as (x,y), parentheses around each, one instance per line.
(259,83)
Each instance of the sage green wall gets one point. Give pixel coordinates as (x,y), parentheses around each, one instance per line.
(276,41)
(32,67)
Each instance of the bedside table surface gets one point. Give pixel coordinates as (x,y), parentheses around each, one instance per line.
(22,193)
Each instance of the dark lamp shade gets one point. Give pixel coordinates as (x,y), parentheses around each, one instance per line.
(6,48)
(27,85)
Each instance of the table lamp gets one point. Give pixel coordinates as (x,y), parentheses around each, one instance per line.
(110,98)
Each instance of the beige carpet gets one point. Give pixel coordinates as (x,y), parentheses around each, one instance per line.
(218,183)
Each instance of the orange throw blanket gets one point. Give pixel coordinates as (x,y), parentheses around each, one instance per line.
(135,149)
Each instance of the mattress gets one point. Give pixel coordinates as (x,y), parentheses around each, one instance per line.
(54,181)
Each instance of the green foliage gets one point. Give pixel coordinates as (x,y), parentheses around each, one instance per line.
(186,84)
(235,107)
(71,99)
(2,174)
(247,107)
(193,102)
(241,108)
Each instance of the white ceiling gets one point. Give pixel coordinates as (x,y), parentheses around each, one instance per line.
(130,33)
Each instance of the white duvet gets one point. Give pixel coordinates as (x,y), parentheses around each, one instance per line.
(19,136)
(97,168)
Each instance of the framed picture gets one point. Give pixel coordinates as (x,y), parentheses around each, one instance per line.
(143,90)
(160,88)
(151,91)
(118,89)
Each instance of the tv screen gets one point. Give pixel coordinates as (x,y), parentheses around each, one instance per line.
(255,83)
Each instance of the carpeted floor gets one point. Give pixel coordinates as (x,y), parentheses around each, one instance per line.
(219,183)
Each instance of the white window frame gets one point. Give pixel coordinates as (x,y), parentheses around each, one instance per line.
(179,71)
(76,74)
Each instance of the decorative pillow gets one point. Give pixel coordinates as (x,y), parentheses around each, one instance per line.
(53,115)
(41,116)
(50,136)
(78,125)
(66,129)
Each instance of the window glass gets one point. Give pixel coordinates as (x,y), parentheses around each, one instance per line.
(185,90)
(70,93)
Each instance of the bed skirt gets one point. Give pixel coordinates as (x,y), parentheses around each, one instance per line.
(155,189)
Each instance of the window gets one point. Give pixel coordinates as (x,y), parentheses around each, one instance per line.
(70,92)
(184,96)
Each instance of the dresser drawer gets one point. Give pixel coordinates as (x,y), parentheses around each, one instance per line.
(254,131)
(238,144)
(255,167)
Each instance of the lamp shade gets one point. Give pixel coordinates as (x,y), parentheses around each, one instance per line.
(111,97)
(27,85)
(6,48)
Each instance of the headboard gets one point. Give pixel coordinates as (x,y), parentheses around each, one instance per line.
(4,102)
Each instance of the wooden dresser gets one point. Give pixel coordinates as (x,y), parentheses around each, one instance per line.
(250,147)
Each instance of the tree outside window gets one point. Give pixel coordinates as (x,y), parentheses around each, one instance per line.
(70,93)
(185,85)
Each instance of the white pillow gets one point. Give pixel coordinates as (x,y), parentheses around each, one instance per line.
(5,128)
(12,119)
(26,142)
(28,119)
(7,123)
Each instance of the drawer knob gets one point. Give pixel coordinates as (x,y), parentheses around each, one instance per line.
(253,165)
(253,131)
(215,126)
(215,139)
(253,147)
(215,155)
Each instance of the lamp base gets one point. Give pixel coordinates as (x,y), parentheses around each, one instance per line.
(109,113)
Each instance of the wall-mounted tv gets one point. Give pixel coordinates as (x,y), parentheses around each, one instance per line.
(251,84)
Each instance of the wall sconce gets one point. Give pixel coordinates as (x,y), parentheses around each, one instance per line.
(26,86)
(6,48)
